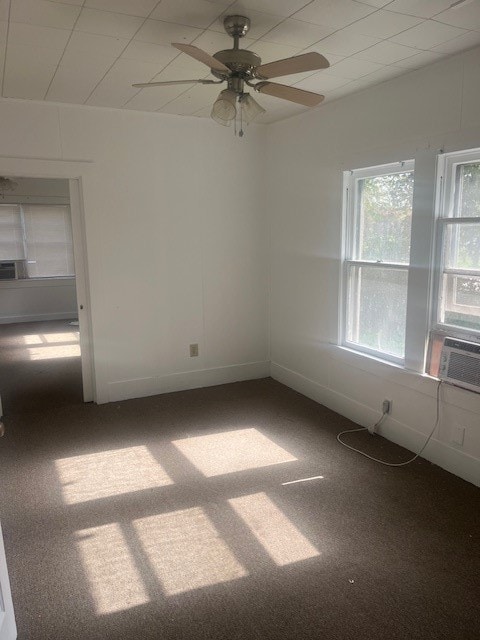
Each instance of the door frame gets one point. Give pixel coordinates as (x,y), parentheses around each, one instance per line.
(8,628)
(82,287)
(74,171)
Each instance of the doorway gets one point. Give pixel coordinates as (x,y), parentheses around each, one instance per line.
(43,360)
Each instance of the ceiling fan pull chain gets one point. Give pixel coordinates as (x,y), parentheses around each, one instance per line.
(240,133)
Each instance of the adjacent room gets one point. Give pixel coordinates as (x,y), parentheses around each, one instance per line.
(239,324)
(38,313)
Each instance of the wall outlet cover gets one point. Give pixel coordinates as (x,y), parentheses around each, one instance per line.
(193,350)
(458,435)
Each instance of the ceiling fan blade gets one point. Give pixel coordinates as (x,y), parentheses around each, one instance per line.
(167,82)
(300,96)
(201,56)
(305,62)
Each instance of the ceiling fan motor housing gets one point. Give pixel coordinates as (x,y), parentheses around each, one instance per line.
(239,61)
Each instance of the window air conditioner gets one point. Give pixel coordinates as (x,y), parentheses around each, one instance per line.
(12,269)
(460,363)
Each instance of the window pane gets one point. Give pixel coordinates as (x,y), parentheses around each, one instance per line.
(49,241)
(11,233)
(467,190)
(460,304)
(377,308)
(462,246)
(384,217)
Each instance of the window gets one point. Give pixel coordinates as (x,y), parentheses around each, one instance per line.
(39,234)
(377,257)
(456,310)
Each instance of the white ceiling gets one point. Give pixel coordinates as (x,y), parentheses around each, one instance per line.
(91,51)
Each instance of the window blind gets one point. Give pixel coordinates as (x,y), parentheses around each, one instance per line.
(49,241)
(11,233)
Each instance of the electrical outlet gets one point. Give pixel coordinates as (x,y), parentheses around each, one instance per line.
(193,350)
(387,406)
(458,435)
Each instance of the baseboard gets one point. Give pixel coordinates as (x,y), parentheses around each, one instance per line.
(141,387)
(63,315)
(449,458)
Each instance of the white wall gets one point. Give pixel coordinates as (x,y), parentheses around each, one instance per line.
(37,191)
(175,237)
(413,116)
(30,300)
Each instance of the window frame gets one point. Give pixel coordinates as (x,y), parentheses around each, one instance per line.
(350,246)
(444,217)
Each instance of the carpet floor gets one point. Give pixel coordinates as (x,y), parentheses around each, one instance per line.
(222,513)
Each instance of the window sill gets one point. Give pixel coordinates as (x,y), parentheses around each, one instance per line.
(396,374)
(27,283)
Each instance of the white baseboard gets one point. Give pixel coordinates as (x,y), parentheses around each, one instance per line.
(141,387)
(449,458)
(63,315)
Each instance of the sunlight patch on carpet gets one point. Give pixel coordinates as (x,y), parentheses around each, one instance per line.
(232,451)
(61,338)
(114,581)
(54,352)
(186,550)
(276,533)
(28,340)
(109,473)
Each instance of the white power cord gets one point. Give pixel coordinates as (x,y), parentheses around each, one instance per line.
(377,424)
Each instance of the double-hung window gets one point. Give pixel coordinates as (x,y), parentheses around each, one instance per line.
(456,308)
(378,209)
(38,235)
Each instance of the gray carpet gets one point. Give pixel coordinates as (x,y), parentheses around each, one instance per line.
(168,517)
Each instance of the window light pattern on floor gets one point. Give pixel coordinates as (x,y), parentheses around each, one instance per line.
(115,584)
(186,550)
(44,346)
(278,536)
(54,351)
(231,451)
(109,473)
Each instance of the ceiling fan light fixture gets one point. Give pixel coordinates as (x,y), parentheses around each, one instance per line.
(225,123)
(224,108)
(250,108)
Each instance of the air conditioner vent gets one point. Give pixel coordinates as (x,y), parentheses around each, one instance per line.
(460,363)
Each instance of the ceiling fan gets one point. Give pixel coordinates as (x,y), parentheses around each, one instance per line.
(241,68)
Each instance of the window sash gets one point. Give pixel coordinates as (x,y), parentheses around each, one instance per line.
(351,309)
(351,221)
(447,214)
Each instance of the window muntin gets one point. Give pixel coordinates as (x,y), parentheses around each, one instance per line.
(379,216)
